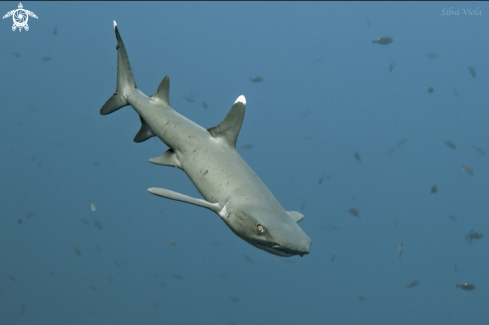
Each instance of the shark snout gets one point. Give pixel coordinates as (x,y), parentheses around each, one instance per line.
(305,246)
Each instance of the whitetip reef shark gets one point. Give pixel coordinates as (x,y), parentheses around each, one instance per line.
(209,158)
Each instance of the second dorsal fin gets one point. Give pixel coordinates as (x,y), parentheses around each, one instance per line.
(229,128)
(163,91)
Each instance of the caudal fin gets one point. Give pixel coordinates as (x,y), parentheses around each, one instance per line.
(125,79)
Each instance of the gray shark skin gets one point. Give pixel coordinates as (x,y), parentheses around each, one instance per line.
(228,185)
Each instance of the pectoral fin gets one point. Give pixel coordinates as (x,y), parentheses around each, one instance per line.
(296,216)
(184,198)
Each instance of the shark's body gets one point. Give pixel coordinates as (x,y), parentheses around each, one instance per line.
(209,158)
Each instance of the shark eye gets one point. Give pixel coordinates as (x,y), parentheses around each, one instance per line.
(260,229)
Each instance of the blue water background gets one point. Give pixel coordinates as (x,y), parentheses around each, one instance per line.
(327,93)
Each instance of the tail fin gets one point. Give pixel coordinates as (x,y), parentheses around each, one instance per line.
(125,79)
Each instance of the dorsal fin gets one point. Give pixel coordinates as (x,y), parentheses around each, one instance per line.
(144,133)
(229,128)
(163,91)
(296,216)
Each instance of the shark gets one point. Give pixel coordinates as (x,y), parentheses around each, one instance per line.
(229,187)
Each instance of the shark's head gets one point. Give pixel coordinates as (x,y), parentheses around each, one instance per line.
(273,231)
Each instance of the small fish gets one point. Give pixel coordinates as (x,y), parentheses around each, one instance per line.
(189,99)
(455,267)
(353,212)
(178,276)
(204,104)
(247,146)
(16,54)
(97,224)
(480,150)
(433,55)
(162,284)
(19,221)
(256,79)
(413,284)
(248,258)
(305,113)
(357,156)
(111,279)
(452,218)
(303,206)
(55,32)
(455,91)
(85,221)
(95,162)
(22,309)
(396,222)
(451,144)
(472,71)
(93,207)
(368,23)
(399,249)
(117,264)
(46,58)
(333,257)
(172,242)
(473,235)
(466,287)
(403,141)
(333,227)
(383,40)
(390,151)
(234,299)
(51,274)
(77,250)
(362,298)
(12,278)
(468,169)
(98,248)
(434,189)
(430,89)
(391,66)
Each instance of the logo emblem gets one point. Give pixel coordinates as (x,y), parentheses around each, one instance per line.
(20,17)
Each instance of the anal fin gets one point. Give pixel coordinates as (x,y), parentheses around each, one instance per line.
(169,158)
(144,133)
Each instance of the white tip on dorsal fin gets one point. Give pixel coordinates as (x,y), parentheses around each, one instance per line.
(115,24)
(229,128)
(241,99)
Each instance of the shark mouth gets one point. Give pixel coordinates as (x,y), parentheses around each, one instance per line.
(279,250)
